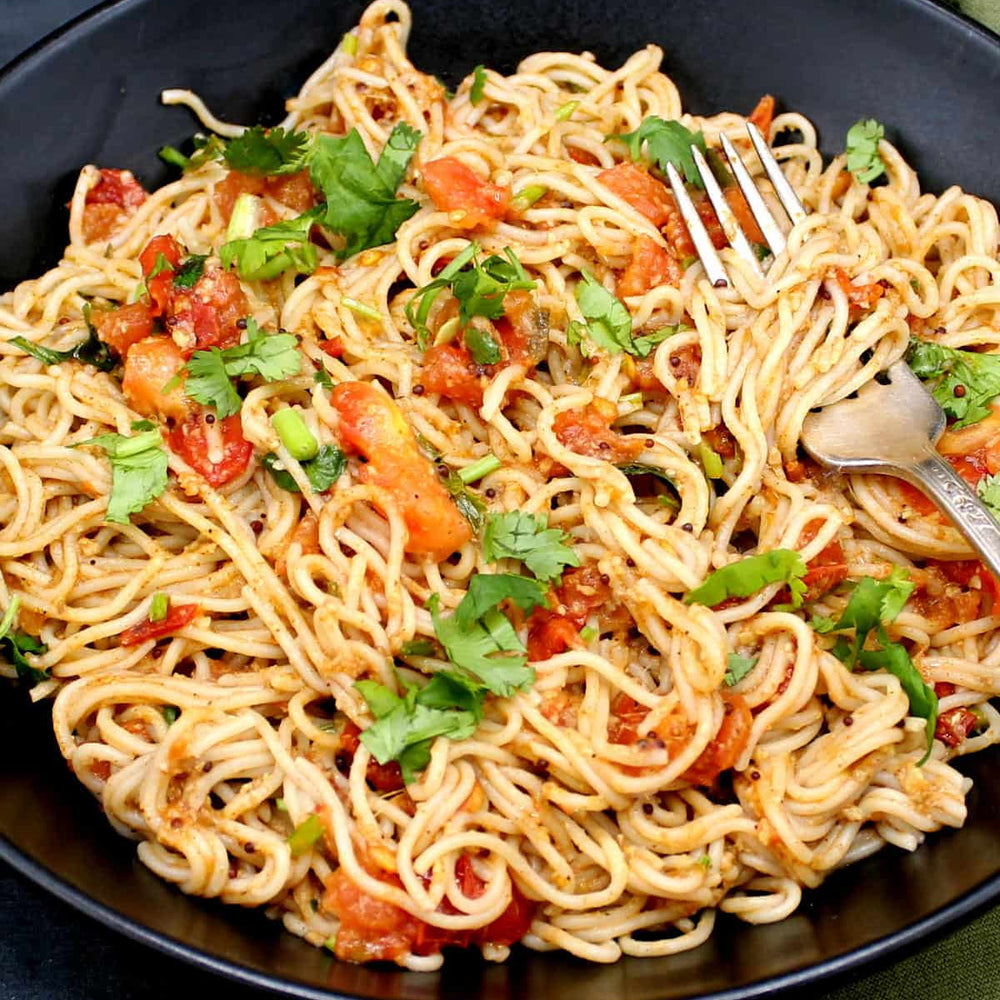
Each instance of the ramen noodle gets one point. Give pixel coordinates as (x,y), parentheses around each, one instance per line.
(317,483)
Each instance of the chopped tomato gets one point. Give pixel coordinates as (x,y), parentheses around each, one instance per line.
(469,882)
(449,370)
(373,930)
(160,286)
(721,440)
(763,114)
(946,601)
(209,314)
(588,432)
(523,328)
(178,616)
(122,327)
(549,634)
(306,535)
(294,190)
(859,296)
(334,347)
(971,468)
(216,449)
(381,777)
(645,375)
(455,188)
(741,209)
(116,187)
(373,426)
(650,267)
(584,156)
(100,221)
(151,363)
(955,725)
(969,573)
(826,571)
(648,196)
(720,755)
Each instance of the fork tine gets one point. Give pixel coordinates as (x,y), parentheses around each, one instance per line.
(737,238)
(786,194)
(758,207)
(699,236)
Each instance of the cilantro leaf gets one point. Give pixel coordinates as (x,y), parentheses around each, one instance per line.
(894,658)
(209,383)
(138,471)
(978,376)
(90,351)
(516,535)
(210,373)
(405,727)
(271,250)
(666,142)
(479,638)
(267,151)
(638,469)
(190,270)
(873,603)
(418,647)
(470,505)
(737,667)
(643,346)
(361,203)
(863,159)
(206,147)
(988,490)
(322,471)
(608,322)
(15,644)
(478,83)
(747,576)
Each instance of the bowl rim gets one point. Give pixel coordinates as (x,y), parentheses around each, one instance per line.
(923,931)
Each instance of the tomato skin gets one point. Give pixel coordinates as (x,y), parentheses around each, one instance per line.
(191,441)
(150,364)
(647,195)
(651,266)
(549,634)
(954,726)
(449,370)
(588,432)
(116,187)
(372,425)
(858,296)
(178,616)
(720,755)
(161,287)
(453,187)
(334,347)
(208,315)
(763,114)
(122,327)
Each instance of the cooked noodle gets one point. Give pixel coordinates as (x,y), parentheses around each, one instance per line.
(617,852)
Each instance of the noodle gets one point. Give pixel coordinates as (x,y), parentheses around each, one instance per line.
(212,744)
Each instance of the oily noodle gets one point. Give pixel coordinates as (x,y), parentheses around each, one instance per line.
(620,855)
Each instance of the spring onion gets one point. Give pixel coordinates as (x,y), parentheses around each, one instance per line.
(245,219)
(305,835)
(566,111)
(158,607)
(298,440)
(360,309)
(527,197)
(710,461)
(630,403)
(350,44)
(482,467)
(588,633)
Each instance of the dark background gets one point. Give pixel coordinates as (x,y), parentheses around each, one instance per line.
(48,950)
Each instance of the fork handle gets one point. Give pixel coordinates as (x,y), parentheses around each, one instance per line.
(959,502)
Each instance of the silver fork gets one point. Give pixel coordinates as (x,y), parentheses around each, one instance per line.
(891,425)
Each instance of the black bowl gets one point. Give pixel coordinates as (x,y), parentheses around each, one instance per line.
(89,94)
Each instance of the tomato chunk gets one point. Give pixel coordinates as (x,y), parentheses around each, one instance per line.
(160,287)
(763,114)
(549,634)
(151,363)
(294,190)
(955,725)
(859,296)
(381,777)
(523,328)
(453,187)
(122,327)
(647,195)
(651,266)
(216,449)
(588,432)
(209,314)
(116,187)
(449,370)
(373,426)
(178,616)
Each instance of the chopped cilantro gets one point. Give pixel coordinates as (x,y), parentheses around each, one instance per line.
(976,375)
(737,667)
(478,83)
(138,471)
(863,159)
(666,142)
(268,151)
(517,535)
(746,576)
